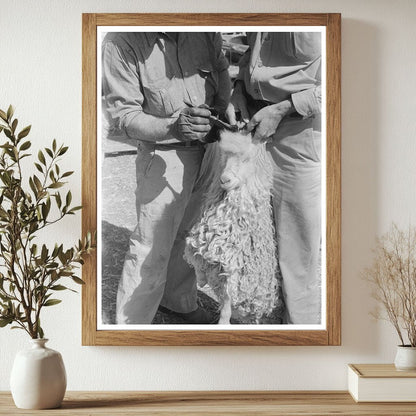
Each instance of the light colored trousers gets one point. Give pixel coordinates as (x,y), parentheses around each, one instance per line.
(296,152)
(168,204)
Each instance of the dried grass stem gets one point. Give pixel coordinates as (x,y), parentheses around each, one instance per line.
(393,277)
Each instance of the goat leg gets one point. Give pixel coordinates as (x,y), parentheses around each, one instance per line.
(225,314)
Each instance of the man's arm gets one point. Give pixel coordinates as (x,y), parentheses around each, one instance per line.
(124,99)
(308,102)
(189,124)
(238,104)
(266,121)
(222,97)
(150,128)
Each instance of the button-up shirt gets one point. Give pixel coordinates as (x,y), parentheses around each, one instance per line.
(282,65)
(153,73)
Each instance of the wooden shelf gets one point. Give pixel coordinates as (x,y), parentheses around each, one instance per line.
(317,403)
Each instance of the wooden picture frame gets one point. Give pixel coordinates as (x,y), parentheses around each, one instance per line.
(331,332)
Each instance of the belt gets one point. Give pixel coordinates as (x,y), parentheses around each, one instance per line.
(190,143)
(181,145)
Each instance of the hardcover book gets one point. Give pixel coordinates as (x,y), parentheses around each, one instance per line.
(381,383)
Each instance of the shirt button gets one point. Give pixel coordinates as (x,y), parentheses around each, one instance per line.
(259,64)
(186,73)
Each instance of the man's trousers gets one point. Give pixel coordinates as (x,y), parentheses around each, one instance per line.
(296,152)
(168,204)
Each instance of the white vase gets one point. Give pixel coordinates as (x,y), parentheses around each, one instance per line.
(38,378)
(405,358)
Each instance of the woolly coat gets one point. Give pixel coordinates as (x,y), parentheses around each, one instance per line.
(232,246)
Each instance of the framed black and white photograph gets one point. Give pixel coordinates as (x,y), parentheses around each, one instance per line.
(211,172)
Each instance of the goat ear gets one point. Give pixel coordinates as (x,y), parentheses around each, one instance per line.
(213,135)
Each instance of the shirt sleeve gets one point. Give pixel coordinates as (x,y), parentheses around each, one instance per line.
(121,86)
(222,96)
(308,102)
(221,61)
(244,62)
(243,65)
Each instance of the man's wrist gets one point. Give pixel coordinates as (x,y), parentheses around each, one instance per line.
(174,128)
(284,107)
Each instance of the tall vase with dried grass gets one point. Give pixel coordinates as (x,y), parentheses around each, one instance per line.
(393,277)
(31,273)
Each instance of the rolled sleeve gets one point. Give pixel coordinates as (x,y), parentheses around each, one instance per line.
(308,102)
(121,85)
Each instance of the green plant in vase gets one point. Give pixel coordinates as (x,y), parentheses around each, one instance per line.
(31,273)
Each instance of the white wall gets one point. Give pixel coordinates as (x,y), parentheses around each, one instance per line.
(40,73)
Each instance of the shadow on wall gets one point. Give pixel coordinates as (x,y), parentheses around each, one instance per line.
(361,58)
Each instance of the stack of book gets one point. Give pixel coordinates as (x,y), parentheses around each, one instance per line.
(381,383)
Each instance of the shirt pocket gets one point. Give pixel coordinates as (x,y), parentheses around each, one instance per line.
(164,98)
(156,85)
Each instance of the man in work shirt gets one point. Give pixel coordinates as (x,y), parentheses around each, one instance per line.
(153,85)
(279,85)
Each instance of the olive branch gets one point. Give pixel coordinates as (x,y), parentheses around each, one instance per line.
(31,273)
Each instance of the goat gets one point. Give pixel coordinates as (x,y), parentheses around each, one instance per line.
(232,246)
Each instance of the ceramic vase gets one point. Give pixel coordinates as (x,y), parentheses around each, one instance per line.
(38,378)
(405,358)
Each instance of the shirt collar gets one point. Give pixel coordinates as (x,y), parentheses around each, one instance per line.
(152,37)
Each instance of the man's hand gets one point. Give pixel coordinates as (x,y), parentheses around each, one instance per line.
(267,120)
(238,104)
(193,124)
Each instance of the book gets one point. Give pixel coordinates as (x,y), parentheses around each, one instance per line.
(381,383)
